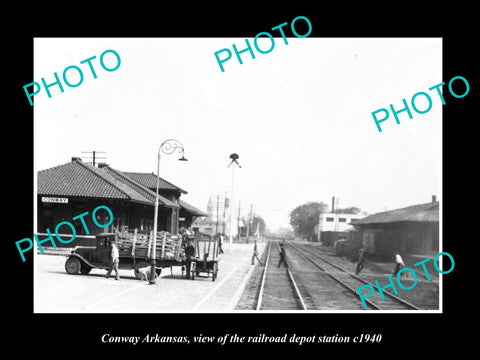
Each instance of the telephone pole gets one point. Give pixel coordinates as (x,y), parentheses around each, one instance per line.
(94,155)
(249,221)
(224,222)
(216,222)
(238,219)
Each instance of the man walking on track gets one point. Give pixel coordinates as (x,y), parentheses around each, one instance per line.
(255,254)
(114,262)
(283,256)
(398,264)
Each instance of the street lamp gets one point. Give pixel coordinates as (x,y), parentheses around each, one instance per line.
(168,147)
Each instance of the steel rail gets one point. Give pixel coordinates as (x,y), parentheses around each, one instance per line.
(345,285)
(264,275)
(302,303)
(292,279)
(396,298)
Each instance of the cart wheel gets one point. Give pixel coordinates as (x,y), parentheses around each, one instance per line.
(73,265)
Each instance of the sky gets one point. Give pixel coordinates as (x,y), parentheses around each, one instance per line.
(299,118)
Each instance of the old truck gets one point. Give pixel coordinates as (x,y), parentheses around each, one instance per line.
(134,249)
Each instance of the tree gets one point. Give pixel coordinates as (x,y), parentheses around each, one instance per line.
(257,221)
(252,224)
(305,217)
(350,210)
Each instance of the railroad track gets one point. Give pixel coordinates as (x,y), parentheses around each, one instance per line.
(351,282)
(278,288)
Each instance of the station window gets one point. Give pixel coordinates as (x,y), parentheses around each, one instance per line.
(342,219)
(329,219)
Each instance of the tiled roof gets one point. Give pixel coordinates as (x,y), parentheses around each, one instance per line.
(150,181)
(192,209)
(137,187)
(85,180)
(76,179)
(420,213)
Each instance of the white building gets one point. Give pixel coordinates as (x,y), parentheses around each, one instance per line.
(336,222)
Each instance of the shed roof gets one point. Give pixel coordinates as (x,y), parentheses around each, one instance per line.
(150,181)
(427,212)
(192,209)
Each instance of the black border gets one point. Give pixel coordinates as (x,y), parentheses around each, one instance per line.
(52,334)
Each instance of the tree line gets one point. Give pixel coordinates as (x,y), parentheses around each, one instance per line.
(304,218)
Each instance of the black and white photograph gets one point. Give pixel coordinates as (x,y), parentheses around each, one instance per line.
(283,176)
(273,186)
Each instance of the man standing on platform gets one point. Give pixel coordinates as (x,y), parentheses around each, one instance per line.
(220,243)
(114,261)
(189,255)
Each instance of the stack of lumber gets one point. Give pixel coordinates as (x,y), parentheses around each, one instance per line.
(133,242)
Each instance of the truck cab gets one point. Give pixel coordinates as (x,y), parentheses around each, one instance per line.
(83,258)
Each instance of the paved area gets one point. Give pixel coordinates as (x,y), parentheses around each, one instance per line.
(56,291)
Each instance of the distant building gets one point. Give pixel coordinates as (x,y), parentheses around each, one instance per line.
(410,230)
(205,225)
(336,222)
(332,226)
(217,219)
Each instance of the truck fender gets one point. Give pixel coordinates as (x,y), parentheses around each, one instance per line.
(82,259)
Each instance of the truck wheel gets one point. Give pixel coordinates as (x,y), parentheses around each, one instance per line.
(73,265)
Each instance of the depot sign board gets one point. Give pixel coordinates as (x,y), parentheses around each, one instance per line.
(56,200)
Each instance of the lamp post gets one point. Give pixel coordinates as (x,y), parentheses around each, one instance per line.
(168,147)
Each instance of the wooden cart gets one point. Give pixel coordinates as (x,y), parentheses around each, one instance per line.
(206,256)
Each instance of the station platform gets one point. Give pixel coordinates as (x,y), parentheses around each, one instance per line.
(58,291)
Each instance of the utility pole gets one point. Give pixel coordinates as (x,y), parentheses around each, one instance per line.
(238,220)
(216,223)
(93,157)
(224,213)
(249,221)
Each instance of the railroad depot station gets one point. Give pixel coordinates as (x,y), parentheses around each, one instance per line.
(68,190)
(278,275)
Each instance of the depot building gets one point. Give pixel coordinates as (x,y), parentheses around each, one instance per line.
(68,190)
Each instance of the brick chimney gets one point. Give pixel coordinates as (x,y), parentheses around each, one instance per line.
(434,198)
(74,158)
